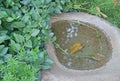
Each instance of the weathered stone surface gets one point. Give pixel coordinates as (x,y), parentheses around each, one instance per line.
(108,72)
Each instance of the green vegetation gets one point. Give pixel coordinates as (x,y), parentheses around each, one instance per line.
(108,9)
(25,28)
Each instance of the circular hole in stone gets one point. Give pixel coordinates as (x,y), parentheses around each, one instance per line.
(82,45)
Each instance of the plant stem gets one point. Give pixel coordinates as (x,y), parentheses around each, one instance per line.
(58,46)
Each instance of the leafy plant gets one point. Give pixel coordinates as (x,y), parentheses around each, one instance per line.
(24,30)
(18,71)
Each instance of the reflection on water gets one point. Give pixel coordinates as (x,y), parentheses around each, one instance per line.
(89,46)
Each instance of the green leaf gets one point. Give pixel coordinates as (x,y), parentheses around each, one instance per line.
(7,57)
(25,18)
(10,19)
(34,24)
(48,60)
(3,38)
(38,76)
(44,31)
(42,1)
(34,14)
(25,2)
(47,63)
(8,2)
(28,44)
(35,50)
(3,32)
(27,29)
(14,46)
(3,14)
(98,36)
(51,34)
(62,1)
(54,39)
(57,45)
(0,22)
(1,62)
(4,51)
(35,32)
(47,1)
(46,66)
(18,24)
(1,47)
(27,37)
(41,57)
(18,38)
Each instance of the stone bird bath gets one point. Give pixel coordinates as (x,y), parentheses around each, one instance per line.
(110,71)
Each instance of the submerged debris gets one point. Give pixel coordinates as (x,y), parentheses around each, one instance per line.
(98,57)
(69,64)
(75,47)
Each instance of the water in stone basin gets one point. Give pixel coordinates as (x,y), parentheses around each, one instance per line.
(87,46)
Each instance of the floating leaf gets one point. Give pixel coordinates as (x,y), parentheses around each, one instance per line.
(75,47)
(98,36)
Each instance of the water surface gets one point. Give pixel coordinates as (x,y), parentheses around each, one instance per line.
(93,40)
